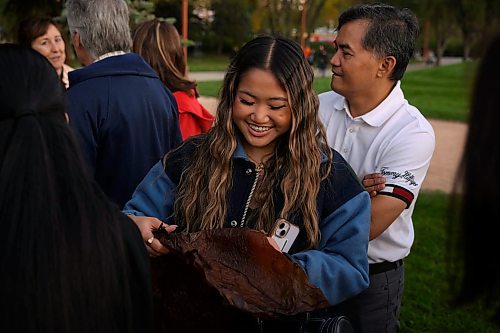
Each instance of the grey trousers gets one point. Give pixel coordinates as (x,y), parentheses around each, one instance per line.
(377,308)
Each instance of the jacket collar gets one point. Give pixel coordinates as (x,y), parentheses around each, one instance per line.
(126,64)
(381,112)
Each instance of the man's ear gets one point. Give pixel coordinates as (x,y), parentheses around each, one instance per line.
(386,66)
(80,50)
(75,39)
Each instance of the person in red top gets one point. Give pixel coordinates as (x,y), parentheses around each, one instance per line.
(158,42)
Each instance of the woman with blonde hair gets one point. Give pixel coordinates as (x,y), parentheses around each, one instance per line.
(158,42)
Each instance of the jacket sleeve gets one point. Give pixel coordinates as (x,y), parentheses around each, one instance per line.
(339,266)
(154,196)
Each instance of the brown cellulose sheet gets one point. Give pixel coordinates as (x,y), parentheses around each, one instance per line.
(226,277)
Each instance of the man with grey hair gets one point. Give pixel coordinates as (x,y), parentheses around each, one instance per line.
(125,118)
(387,142)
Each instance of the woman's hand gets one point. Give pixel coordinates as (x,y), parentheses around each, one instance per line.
(146,226)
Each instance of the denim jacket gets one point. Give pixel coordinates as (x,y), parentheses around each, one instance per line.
(338,265)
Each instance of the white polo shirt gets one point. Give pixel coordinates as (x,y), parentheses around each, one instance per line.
(393,139)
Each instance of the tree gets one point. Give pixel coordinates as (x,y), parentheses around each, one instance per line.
(140,11)
(12,11)
(232,27)
(443,23)
(471,15)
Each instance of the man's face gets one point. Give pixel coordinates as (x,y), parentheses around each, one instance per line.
(354,68)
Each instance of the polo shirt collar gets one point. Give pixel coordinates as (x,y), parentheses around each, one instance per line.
(382,112)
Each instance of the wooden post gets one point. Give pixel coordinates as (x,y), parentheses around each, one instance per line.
(303,25)
(185,28)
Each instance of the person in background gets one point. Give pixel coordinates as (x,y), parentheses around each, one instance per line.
(44,36)
(387,141)
(308,54)
(158,42)
(473,231)
(321,60)
(70,261)
(266,158)
(125,118)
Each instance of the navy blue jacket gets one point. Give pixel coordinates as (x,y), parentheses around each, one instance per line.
(125,120)
(338,265)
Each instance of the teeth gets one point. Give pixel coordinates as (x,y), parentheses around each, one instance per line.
(259,128)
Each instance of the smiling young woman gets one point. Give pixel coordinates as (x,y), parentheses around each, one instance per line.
(265,159)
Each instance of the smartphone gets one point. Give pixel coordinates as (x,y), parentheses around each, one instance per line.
(284,234)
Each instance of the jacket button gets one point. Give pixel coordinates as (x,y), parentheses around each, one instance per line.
(234,223)
(249,171)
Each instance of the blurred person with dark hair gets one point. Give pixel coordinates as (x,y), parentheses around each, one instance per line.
(321,60)
(70,260)
(387,141)
(43,35)
(158,42)
(125,118)
(472,245)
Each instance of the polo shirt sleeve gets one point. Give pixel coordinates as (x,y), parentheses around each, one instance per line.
(404,162)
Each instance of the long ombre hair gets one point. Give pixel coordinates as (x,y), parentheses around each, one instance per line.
(295,165)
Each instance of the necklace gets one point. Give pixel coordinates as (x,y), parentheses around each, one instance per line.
(254,161)
(258,169)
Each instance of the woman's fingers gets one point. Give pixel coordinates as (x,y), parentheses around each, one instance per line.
(146,227)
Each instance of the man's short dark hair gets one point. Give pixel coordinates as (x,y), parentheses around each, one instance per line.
(390,32)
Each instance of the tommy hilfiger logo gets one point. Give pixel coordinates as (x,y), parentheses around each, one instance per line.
(398,192)
(407,175)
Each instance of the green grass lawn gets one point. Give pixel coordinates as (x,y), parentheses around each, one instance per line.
(438,92)
(208,63)
(425,307)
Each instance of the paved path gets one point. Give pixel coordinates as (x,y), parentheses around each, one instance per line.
(450,138)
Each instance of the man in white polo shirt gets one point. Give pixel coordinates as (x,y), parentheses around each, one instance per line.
(388,143)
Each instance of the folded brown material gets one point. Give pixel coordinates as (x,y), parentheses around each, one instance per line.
(228,277)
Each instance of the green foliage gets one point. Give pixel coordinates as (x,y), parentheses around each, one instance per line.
(13,11)
(140,11)
(426,306)
(226,16)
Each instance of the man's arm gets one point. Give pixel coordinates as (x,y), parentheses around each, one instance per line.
(384,211)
